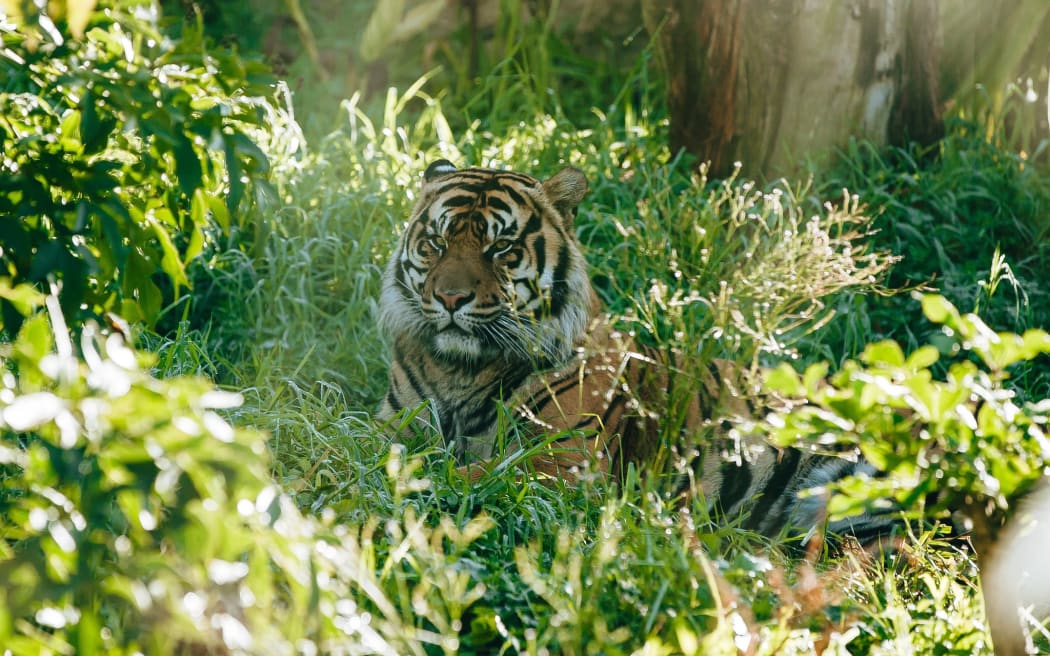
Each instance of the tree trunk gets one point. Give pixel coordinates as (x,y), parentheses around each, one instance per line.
(769,82)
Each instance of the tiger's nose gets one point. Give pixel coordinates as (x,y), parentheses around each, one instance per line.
(453,299)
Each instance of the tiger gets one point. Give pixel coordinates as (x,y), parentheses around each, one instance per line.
(487,305)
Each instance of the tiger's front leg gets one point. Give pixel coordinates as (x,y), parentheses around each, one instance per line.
(594,409)
(564,459)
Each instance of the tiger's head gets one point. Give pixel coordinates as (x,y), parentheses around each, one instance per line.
(488,268)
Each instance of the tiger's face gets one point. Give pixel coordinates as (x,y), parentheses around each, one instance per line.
(488,267)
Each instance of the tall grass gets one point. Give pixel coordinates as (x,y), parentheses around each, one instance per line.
(968,219)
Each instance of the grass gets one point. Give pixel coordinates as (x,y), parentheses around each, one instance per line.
(513,566)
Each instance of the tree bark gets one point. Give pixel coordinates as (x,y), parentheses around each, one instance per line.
(771,82)
(700,52)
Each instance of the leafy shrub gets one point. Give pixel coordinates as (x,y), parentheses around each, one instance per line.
(124,155)
(136,519)
(963,443)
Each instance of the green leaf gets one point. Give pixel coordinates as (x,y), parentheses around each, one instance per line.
(938,310)
(886,352)
(219,212)
(922,358)
(815,376)
(784,380)
(187,165)
(234,173)
(78,14)
(24,297)
(248,148)
(170,261)
(94,128)
(34,339)
(1035,342)
(70,132)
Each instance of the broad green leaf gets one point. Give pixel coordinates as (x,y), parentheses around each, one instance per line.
(990,423)
(1035,342)
(187,165)
(34,339)
(199,208)
(170,262)
(234,174)
(814,377)
(24,297)
(922,358)
(248,148)
(938,310)
(70,132)
(219,212)
(784,380)
(886,352)
(95,128)
(78,14)
(13,10)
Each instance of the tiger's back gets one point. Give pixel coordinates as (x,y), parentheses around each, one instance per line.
(487,303)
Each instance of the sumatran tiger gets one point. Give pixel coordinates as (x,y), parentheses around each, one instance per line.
(487,304)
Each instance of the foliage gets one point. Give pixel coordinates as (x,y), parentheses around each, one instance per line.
(964,443)
(125,156)
(136,519)
(382,548)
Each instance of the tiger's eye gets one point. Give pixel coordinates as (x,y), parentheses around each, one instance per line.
(437,242)
(500,245)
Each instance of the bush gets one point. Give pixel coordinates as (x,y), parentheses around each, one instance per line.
(136,519)
(964,443)
(125,156)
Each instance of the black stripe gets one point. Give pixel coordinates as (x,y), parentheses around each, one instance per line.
(391,398)
(550,392)
(412,380)
(560,289)
(498,204)
(459,200)
(479,421)
(520,178)
(736,481)
(539,249)
(534,224)
(618,401)
(708,400)
(586,422)
(517,198)
(774,488)
(472,187)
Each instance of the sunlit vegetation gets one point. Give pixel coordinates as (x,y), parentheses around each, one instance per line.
(222,487)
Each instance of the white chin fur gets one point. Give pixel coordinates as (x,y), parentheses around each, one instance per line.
(458,344)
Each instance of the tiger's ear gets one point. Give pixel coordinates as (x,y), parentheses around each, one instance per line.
(565,190)
(438,169)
